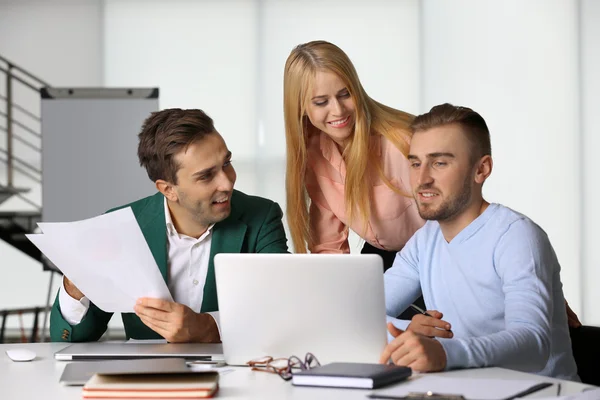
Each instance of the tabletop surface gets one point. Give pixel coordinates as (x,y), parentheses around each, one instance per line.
(38,379)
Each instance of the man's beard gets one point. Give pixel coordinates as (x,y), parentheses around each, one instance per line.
(449,208)
(204,215)
(201,212)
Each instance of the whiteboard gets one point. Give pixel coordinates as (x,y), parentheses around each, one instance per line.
(89,150)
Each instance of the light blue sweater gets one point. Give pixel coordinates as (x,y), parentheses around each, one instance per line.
(498,283)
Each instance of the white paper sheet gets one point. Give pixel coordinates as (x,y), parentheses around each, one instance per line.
(470,388)
(106,257)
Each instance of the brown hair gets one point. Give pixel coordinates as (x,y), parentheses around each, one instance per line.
(473,125)
(371,118)
(165,133)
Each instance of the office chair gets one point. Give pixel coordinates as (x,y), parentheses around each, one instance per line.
(585,342)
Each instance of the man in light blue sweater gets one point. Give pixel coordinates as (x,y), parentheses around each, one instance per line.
(491,271)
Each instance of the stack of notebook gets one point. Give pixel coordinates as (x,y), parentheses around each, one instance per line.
(164,386)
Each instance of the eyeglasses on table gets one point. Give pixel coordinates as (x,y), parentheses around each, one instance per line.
(284,366)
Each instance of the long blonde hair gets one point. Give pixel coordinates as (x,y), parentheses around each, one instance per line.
(371,118)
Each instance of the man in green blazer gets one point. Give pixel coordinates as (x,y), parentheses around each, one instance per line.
(195,215)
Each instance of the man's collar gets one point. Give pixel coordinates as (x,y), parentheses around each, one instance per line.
(169,222)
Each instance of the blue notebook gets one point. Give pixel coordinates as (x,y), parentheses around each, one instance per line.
(352,375)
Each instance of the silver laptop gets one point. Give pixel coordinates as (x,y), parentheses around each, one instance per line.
(281,305)
(78,373)
(139,349)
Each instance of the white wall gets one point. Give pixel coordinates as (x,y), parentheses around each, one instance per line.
(590,122)
(57,40)
(516,63)
(202,54)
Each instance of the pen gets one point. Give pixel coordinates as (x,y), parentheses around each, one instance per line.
(419,310)
(532,389)
(418,396)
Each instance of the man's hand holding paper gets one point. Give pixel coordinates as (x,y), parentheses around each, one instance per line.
(177,322)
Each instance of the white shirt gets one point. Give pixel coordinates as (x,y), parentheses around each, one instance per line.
(187,267)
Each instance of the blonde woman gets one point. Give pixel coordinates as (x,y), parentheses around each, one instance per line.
(346,159)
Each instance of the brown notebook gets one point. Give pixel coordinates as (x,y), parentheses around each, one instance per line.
(164,386)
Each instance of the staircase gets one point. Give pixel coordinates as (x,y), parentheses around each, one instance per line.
(20,156)
(20,173)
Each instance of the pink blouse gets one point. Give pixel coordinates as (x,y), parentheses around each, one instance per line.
(393,217)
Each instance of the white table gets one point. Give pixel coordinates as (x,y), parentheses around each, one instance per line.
(38,379)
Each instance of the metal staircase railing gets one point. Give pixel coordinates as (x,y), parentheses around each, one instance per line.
(17,131)
(16,119)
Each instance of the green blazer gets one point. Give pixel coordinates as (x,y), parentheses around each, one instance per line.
(254,226)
